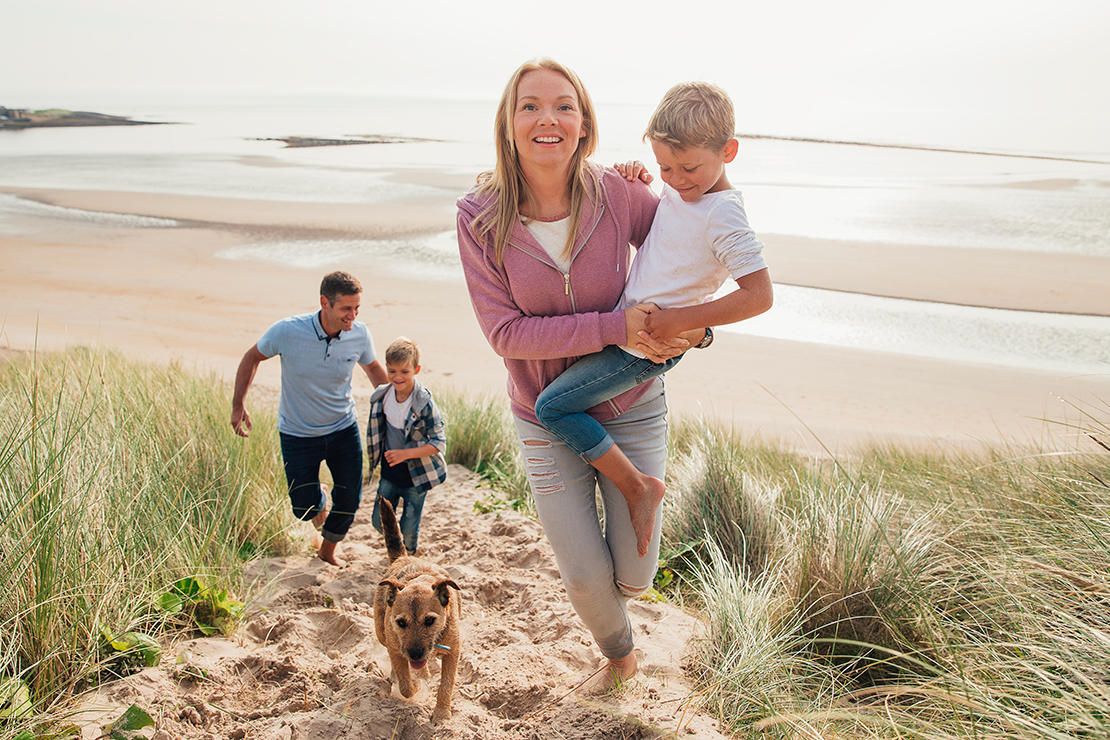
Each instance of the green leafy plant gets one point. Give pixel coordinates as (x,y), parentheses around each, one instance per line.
(672,561)
(127,727)
(15,698)
(131,651)
(51,731)
(209,609)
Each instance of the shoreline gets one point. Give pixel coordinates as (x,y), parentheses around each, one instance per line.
(976,277)
(162,294)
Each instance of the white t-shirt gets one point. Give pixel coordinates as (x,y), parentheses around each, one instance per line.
(692,249)
(552,236)
(396,412)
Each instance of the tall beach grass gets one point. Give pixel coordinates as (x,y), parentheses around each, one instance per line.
(900,593)
(481,436)
(116,479)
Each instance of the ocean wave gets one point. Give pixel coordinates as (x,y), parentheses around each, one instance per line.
(16,205)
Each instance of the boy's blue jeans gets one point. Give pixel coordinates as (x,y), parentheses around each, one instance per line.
(342,451)
(408,518)
(592,380)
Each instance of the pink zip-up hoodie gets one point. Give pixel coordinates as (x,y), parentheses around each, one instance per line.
(540,320)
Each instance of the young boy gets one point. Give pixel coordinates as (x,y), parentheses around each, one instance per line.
(700,237)
(405,432)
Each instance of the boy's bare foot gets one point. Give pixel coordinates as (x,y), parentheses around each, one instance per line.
(611,676)
(327,554)
(642,505)
(642,493)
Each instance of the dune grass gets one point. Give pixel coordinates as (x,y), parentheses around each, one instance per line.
(892,593)
(116,480)
(481,437)
(900,593)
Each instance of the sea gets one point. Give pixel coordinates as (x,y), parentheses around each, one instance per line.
(904,184)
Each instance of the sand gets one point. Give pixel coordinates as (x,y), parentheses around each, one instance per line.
(164,294)
(306,664)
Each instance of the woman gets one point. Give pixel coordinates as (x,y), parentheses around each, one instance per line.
(545,245)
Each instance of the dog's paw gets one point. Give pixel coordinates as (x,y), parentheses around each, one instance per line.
(407,687)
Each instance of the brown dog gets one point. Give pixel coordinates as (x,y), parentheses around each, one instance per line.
(416,617)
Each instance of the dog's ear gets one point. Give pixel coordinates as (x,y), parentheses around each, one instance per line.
(442,592)
(392,587)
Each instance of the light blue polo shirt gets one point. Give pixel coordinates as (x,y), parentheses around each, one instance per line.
(316,373)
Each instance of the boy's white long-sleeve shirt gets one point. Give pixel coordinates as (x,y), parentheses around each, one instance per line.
(692,249)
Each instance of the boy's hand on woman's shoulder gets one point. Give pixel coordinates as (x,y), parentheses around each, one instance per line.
(633,169)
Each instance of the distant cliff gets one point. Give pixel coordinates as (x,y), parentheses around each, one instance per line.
(16,118)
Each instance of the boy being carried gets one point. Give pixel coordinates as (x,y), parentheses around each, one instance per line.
(405,433)
(700,237)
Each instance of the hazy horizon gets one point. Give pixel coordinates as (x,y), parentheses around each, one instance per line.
(1013,70)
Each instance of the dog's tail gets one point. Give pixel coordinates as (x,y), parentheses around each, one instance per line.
(394,545)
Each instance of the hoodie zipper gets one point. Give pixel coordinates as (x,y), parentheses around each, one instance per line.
(566,275)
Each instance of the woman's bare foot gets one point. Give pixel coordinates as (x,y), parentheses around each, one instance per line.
(611,676)
(327,554)
(643,502)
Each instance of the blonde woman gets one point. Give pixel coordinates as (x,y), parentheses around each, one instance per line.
(545,241)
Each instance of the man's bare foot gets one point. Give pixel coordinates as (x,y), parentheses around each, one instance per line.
(322,515)
(613,675)
(327,554)
(642,505)
(320,518)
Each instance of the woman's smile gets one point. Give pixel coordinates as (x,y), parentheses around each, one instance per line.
(547,122)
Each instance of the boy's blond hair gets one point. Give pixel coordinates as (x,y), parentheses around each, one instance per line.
(693,115)
(403,351)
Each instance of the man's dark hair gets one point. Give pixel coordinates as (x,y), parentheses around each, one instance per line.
(339,283)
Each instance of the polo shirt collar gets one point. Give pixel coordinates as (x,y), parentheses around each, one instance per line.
(322,335)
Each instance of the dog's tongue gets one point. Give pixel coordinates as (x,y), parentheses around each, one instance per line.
(417,665)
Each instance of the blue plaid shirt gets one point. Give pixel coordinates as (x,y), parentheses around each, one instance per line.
(424,425)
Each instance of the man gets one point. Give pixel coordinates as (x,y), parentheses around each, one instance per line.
(316,414)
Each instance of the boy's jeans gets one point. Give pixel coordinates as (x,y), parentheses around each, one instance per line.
(409,518)
(342,451)
(592,380)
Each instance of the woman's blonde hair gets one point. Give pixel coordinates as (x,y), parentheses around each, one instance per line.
(506,181)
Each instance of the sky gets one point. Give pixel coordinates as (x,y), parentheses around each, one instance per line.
(1010,62)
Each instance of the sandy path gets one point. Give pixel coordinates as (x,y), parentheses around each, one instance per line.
(306,664)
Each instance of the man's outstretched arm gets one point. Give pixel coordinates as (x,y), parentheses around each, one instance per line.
(244,376)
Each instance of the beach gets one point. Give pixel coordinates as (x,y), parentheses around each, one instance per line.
(168,292)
